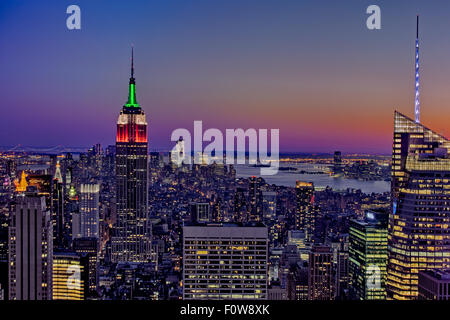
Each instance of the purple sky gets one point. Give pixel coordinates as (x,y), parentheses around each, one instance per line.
(309,68)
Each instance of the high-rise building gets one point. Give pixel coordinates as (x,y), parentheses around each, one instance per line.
(67,271)
(87,250)
(85,224)
(418,235)
(239,205)
(30,248)
(434,285)
(131,240)
(255,201)
(368,256)
(225,262)
(341,262)
(269,204)
(305,213)
(57,208)
(200,212)
(53,189)
(320,273)
(337,165)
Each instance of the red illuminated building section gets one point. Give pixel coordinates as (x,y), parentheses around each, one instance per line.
(131,132)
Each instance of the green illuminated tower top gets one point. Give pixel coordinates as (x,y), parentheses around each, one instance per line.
(132,102)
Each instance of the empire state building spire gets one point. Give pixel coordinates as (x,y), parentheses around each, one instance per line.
(417,96)
(132,101)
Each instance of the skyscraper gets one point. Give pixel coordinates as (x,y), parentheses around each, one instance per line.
(225,262)
(86,222)
(418,225)
(131,240)
(57,207)
(200,212)
(30,249)
(87,250)
(67,281)
(368,256)
(320,273)
(305,212)
(254,195)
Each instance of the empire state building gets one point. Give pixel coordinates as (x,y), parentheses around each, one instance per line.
(131,239)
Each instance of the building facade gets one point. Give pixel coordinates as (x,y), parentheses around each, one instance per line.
(305,211)
(85,224)
(320,273)
(131,240)
(418,236)
(67,281)
(30,249)
(368,256)
(434,285)
(225,262)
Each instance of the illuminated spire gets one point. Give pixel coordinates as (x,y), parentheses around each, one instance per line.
(132,101)
(417,96)
(58,175)
(23,184)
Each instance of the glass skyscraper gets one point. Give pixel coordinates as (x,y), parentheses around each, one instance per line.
(419,237)
(368,256)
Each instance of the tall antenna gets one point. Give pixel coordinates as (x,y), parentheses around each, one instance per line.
(132,61)
(417,96)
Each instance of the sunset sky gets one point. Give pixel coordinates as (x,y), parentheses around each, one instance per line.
(309,68)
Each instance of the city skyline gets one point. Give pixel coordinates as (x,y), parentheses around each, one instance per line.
(276,67)
(331,219)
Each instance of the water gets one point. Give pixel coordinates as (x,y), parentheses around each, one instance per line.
(288,179)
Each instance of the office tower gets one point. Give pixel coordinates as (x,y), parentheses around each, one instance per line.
(254,195)
(67,282)
(418,236)
(341,260)
(305,213)
(434,285)
(275,292)
(200,212)
(337,165)
(320,273)
(239,205)
(155,164)
(225,262)
(269,204)
(368,256)
(52,188)
(110,155)
(57,208)
(131,240)
(95,158)
(87,250)
(297,282)
(30,248)
(85,223)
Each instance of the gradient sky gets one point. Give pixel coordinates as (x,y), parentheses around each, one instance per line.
(310,68)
